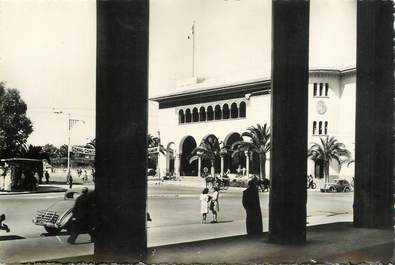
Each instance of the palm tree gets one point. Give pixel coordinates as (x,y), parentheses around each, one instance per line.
(329,149)
(152,142)
(259,143)
(208,149)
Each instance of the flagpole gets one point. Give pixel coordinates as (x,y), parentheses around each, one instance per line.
(193,49)
(68,147)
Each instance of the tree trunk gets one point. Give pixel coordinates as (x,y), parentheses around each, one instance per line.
(262,166)
(326,171)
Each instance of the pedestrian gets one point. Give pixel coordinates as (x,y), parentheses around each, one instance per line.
(46,176)
(252,207)
(214,204)
(37,177)
(69,179)
(85,178)
(2,225)
(149,219)
(204,204)
(82,216)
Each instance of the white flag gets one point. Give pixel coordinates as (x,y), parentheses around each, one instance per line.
(192,32)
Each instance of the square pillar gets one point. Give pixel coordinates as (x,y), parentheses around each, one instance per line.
(121,129)
(374,162)
(290,49)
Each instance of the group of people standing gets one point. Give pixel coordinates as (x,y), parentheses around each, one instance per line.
(209,203)
(250,202)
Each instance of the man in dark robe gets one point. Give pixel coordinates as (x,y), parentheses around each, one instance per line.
(82,219)
(253,209)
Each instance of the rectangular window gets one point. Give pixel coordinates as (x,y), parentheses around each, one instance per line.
(321,87)
(315,90)
(326,89)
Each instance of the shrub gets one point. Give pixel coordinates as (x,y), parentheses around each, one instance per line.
(239,183)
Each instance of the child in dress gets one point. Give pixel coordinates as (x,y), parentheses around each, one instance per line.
(204,204)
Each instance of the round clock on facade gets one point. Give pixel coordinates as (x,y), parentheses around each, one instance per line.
(321,107)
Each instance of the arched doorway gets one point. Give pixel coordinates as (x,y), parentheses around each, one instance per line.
(230,163)
(187,144)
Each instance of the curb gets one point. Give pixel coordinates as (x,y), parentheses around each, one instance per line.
(30,192)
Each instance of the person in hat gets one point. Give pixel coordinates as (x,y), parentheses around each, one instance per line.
(252,207)
(81,220)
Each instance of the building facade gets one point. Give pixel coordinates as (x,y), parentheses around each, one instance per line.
(226,110)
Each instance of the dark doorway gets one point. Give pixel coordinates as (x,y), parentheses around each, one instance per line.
(187,144)
(319,169)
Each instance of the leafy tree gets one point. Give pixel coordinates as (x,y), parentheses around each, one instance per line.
(259,143)
(329,149)
(208,149)
(154,141)
(15,126)
(91,144)
(51,150)
(62,151)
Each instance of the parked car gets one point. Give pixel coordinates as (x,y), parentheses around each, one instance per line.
(151,172)
(339,185)
(57,216)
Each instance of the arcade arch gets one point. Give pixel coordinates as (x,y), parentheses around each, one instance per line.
(229,163)
(187,144)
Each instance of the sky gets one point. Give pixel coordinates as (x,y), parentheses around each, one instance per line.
(48,49)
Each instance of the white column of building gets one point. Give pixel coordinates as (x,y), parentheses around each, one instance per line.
(222,165)
(247,154)
(177,164)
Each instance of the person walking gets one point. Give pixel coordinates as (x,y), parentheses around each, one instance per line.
(46,176)
(69,180)
(252,207)
(85,178)
(204,204)
(214,204)
(81,220)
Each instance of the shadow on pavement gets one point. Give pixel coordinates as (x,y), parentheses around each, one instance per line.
(65,233)
(11,237)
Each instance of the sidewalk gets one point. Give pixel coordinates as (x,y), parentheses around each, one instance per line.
(336,242)
(224,242)
(42,188)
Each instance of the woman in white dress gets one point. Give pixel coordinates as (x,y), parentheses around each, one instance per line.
(214,205)
(204,203)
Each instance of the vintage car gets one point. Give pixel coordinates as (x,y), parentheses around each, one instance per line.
(339,185)
(58,215)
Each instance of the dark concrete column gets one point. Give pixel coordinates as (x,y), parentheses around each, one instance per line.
(374,162)
(121,129)
(290,44)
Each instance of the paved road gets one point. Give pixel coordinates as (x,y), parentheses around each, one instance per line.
(169,206)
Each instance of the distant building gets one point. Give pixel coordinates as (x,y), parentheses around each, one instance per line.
(225,110)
